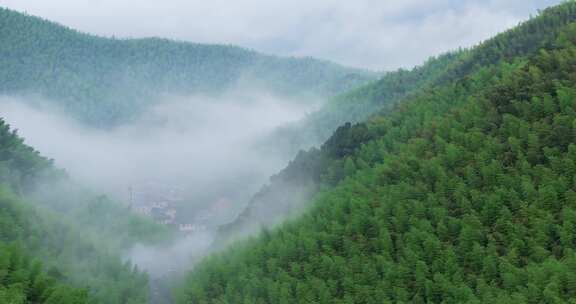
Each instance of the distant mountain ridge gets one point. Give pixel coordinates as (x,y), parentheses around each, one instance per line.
(105,80)
(359,104)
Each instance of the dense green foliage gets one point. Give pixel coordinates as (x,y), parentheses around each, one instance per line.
(23,281)
(464,193)
(62,244)
(103,81)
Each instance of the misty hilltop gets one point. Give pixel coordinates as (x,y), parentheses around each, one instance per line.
(107,80)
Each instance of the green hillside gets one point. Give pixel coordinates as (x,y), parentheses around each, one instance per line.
(462,193)
(325,167)
(60,243)
(106,80)
(22,279)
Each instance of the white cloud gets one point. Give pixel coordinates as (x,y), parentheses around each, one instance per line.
(375,34)
(198,143)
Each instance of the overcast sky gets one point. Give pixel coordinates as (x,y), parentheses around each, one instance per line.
(375,34)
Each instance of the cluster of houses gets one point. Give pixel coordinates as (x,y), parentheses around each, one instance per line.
(158,201)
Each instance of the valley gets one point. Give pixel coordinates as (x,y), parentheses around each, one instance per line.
(149,170)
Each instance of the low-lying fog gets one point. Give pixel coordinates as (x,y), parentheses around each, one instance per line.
(194,143)
(204,146)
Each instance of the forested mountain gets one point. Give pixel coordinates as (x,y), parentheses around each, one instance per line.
(106,80)
(59,243)
(315,169)
(461,193)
